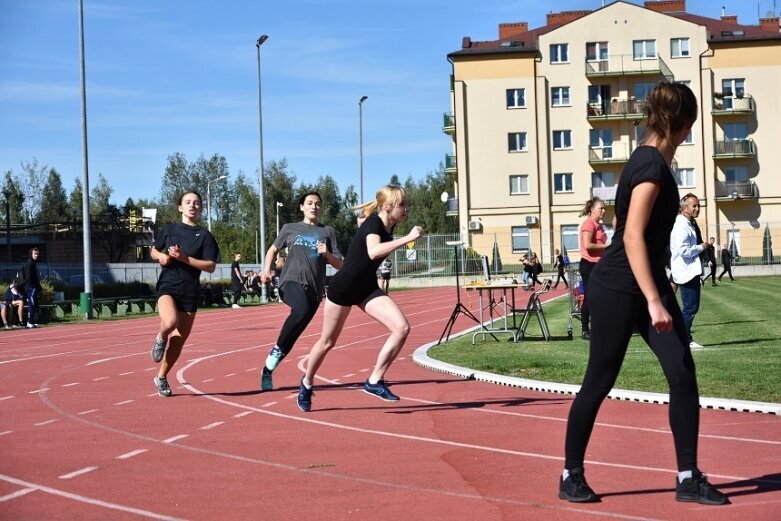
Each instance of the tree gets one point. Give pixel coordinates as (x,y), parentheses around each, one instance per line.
(100,196)
(76,198)
(31,186)
(54,201)
(176,180)
(14,197)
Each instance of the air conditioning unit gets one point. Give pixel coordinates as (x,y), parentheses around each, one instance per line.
(532,219)
(474,226)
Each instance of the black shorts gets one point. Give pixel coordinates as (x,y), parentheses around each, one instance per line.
(385,276)
(184,304)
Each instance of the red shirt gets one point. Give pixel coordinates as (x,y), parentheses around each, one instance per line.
(598,236)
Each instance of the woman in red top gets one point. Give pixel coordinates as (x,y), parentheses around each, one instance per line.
(593,242)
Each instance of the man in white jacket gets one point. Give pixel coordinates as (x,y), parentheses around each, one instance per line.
(686,245)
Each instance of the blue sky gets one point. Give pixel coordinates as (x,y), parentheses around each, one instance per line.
(167,76)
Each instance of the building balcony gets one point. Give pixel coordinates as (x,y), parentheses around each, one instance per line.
(613,154)
(734,148)
(448,123)
(615,109)
(451,207)
(627,65)
(732,105)
(450,164)
(734,190)
(606,193)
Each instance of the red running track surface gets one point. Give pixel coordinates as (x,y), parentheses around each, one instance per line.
(84,435)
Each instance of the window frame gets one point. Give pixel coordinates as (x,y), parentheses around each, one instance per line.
(687,53)
(562,145)
(523,182)
(564,189)
(680,182)
(524,147)
(556,51)
(518,231)
(560,97)
(507,98)
(644,55)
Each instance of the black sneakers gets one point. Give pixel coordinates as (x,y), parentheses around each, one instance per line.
(380,390)
(305,397)
(696,489)
(575,488)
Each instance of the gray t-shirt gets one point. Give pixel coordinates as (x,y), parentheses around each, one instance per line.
(303,264)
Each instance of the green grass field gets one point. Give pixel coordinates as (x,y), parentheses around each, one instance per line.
(737,324)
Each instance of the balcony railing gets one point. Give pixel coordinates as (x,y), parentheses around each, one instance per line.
(627,65)
(448,123)
(728,105)
(450,164)
(736,190)
(615,153)
(606,193)
(452,206)
(616,109)
(733,148)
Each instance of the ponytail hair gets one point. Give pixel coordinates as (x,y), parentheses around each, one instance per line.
(670,107)
(389,194)
(589,205)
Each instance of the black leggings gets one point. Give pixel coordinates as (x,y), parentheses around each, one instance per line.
(615,315)
(585,268)
(303,306)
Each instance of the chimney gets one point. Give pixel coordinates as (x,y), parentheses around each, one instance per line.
(466,42)
(770,24)
(565,17)
(666,6)
(729,19)
(512,29)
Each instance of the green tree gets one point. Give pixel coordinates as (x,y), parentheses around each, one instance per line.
(100,196)
(13,195)
(31,183)
(76,198)
(176,180)
(54,203)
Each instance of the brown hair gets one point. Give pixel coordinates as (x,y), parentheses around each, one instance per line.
(670,107)
(590,205)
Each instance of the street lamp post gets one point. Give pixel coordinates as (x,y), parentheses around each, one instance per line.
(360,136)
(262,206)
(279,205)
(209,197)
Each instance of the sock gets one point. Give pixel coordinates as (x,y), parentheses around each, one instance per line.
(305,385)
(686,474)
(565,474)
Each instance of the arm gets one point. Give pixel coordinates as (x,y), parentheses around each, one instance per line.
(271,254)
(682,242)
(377,249)
(643,197)
(330,258)
(587,238)
(238,274)
(175,252)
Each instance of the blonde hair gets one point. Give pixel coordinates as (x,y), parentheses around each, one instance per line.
(389,194)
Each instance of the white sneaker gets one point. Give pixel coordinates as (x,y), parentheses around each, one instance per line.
(31,326)
(694,345)
(236,306)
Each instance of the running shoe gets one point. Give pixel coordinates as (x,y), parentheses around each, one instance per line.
(30,325)
(163,389)
(380,390)
(575,488)
(7,326)
(274,358)
(694,345)
(305,397)
(696,489)
(266,382)
(158,350)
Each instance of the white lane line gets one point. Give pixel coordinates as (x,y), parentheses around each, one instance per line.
(269,404)
(151,369)
(132,453)
(348,375)
(38,391)
(242,414)
(70,384)
(125,374)
(86,412)
(209,380)
(78,472)
(5,432)
(18,493)
(231,374)
(88,500)
(364,370)
(6,397)
(47,422)
(211,426)
(175,438)
(123,403)
(250,370)
(99,378)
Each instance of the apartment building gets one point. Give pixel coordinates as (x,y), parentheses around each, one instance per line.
(543,119)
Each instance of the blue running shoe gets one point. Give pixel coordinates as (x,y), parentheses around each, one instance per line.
(380,390)
(158,350)
(305,397)
(266,383)
(274,357)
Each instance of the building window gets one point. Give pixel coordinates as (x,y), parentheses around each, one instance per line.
(736,174)
(734,131)
(596,51)
(559,96)
(519,184)
(520,239)
(601,142)
(562,183)
(642,90)
(679,48)
(689,138)
(562,139)
(732,87)
(516,142)
(559,53)
(684,177)
(602,179)
(644,49)
(516,98)
(569,239)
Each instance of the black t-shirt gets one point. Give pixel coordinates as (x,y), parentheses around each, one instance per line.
(179,278)
(357,278)
(613,270)
(235,281)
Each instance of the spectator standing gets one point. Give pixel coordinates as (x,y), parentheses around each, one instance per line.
(726,263)
(237,281)
(686,245)
(558,264)
(30,285)
(593,241)
(385,274)
(710,258)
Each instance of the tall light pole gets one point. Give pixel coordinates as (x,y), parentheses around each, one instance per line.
(279,205)
(85,298)
(262,206)
(209,197)
(360,132)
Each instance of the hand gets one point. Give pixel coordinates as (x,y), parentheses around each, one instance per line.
(660,318)
(322,248)
(176,252)
(265,277)
(415,233)
(165,261)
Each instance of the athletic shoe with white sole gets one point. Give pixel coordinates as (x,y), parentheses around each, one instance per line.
(163,389)
(158,350)
(380,390)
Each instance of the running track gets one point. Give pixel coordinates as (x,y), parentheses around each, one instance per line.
(84,435)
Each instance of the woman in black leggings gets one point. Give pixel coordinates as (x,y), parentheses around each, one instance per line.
(628,289)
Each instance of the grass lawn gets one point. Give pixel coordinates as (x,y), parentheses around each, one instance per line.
(736,324)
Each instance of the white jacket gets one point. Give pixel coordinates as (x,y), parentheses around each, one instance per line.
(684,251)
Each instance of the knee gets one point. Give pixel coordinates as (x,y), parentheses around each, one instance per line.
(401,330)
